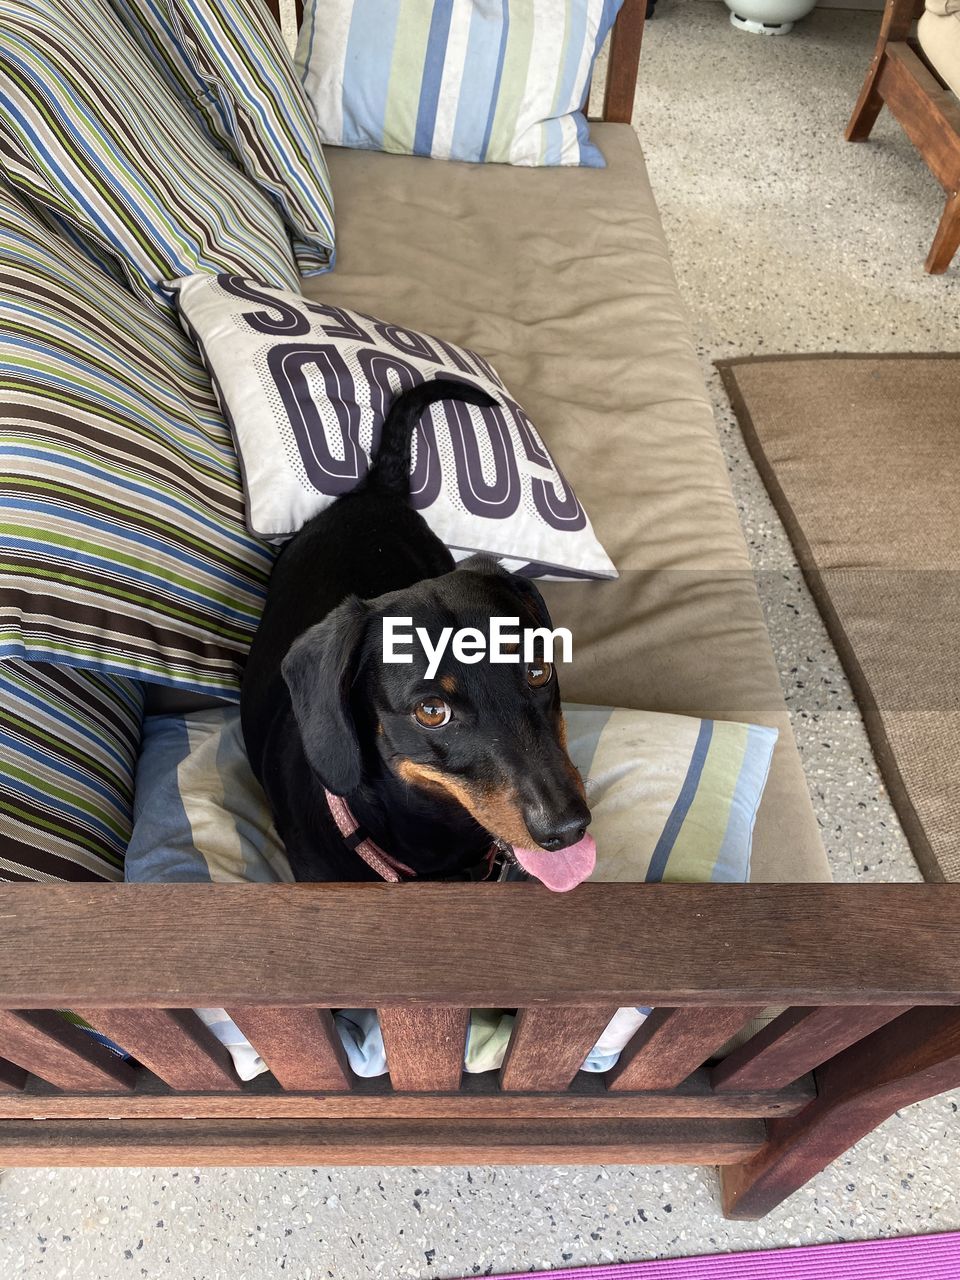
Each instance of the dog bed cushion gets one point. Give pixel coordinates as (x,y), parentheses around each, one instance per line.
(226,61)
(673,798)
(69,742)
(456,79)
(125,549)
(89,130)
(306,388)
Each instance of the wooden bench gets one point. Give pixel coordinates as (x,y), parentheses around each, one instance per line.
(869,976)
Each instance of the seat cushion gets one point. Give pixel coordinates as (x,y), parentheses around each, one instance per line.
(939,34)
(89,131)
(562,279)
(69,741)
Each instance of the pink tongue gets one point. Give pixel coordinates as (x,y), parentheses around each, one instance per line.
(563,869)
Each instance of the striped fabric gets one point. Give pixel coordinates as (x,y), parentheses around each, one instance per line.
(89,130)
(678,795)
(227,62)
(123,546)
(68,749)
(494,80)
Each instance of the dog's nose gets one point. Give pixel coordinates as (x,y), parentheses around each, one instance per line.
(553,833)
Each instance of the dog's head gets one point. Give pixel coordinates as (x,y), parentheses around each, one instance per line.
(487,736)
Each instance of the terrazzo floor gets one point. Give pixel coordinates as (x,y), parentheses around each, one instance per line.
(784,239)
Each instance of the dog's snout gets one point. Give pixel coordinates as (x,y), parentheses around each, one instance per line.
(552,831)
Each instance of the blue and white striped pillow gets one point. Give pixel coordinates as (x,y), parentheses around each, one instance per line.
(480,80)
(226,61)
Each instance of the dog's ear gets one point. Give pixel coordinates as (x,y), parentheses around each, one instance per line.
(525,589)
(319,671)
(521,586)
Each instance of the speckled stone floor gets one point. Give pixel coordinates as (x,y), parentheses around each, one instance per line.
(785,239)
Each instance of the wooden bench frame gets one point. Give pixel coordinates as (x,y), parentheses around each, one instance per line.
(929,112)
(869,976)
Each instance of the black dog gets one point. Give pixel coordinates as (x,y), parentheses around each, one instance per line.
(436,772)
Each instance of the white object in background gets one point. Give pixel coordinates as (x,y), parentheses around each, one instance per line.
(768,17)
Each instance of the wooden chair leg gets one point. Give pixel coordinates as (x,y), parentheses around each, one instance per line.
(947,240)
(869,104)
(914,1057)
(895,24)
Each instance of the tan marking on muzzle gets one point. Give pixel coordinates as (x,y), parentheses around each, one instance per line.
(496,811)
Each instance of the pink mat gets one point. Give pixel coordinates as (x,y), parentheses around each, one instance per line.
(910,1258)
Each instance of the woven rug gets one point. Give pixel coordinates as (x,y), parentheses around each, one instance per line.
(911,1258)
(861,456)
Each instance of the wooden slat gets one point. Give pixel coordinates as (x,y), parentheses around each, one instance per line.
(12,1077)
(915,1057)
(674,1042)
(796,1042)
(368,945)
(479,1098)
(623,62)
(300,1046)
(173,1043)
(548,1046)
(425,1047)
(52,1048)
(376,1142)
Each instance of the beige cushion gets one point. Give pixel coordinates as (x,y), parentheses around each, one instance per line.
(939,34)
(562,278)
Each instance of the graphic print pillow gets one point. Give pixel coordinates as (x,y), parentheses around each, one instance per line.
(306,387)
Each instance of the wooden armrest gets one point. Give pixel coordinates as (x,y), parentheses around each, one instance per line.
(178,946)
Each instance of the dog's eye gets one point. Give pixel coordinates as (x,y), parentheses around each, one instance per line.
(432,713)
(539,673)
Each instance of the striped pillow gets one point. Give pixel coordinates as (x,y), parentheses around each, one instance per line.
(456,79)
(89,130)
(69,742)
(227,62)
(124,547)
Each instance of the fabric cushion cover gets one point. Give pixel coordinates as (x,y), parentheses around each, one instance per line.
(579,311)
(89,129)
(306,389)
(68,741)
(456,79)
(228,64)
(121,509)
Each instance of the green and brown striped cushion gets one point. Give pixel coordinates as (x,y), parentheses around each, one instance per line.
(68,748)
(227,63)
(123,546)
(89,129)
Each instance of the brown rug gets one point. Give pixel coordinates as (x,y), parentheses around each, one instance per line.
(861,455)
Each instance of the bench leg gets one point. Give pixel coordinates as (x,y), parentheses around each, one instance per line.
(916,1056)
(869,104)
(947,240)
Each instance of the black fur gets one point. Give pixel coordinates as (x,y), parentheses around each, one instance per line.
(320,708)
